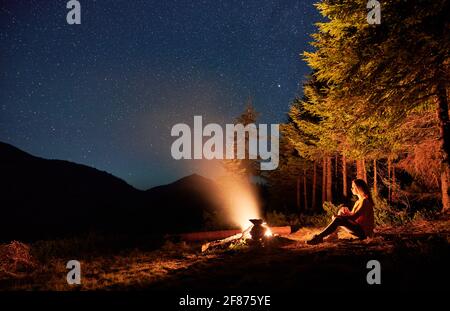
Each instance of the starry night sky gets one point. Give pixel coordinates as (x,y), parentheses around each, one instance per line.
(107,92)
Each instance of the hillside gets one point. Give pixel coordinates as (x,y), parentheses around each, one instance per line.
(43,198)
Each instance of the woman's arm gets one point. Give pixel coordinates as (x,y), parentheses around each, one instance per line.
(355,212)
(344,211)
(359,210)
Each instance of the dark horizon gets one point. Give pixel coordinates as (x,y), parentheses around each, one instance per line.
(118,177)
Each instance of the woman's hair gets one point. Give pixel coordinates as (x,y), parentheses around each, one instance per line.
(363,188)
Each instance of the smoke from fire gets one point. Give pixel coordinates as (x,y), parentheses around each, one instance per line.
(235,196)
(240,200)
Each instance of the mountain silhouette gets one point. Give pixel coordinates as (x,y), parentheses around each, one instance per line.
(41,198)
(191,197)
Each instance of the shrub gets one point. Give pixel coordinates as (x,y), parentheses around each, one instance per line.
(331,209)
(386,215)
(426,214)
(276,219)
(15,257)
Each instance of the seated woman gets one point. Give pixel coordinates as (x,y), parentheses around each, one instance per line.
(359,221)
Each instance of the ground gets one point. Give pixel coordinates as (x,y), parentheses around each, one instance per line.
(414,256)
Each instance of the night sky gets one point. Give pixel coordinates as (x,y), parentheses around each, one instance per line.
(107,92)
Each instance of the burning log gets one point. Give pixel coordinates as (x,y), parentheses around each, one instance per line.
(223,242)
(256,235)
(218,235)
(208,235)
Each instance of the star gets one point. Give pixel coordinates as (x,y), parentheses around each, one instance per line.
(63,97)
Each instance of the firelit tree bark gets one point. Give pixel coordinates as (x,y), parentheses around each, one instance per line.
(363,163)
(329,180)
(445,189)
(336,162)
(444,139)
(314,186)
(375,183)
(394,184)
(298,193)
(344,176)
(389,180)
(324,180)
(336,159)
(304,189)
(359,169)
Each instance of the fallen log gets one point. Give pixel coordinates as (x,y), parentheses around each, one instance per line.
(281,230)
(246,236)
(222,234)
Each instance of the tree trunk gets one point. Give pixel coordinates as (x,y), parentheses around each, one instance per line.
(324,180)
(444,139)
(364,170)
(304,189)
(389,179)
(359,170)
(344,176)
(375,184)
(298,193)
(313,206)
(445,188)
(394,185)
(336,161)
(329,180)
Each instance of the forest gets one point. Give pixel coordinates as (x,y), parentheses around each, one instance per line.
(375,107)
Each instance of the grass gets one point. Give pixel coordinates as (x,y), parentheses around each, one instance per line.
(418,245)
(101,268)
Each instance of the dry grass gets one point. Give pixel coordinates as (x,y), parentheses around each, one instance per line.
(106,272)
(15,258)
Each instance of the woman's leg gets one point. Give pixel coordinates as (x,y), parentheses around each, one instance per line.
(352,226)
(332,226)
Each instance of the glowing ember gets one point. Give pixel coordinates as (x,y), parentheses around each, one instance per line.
(268,232)
(257,235)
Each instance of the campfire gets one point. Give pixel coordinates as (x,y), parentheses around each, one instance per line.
(258,234)
(259,230)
